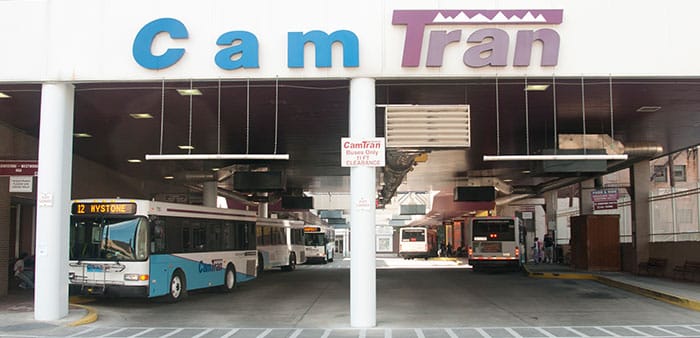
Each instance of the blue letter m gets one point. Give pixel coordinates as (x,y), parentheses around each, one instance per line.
(323,43)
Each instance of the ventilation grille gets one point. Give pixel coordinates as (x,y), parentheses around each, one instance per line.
(423,126)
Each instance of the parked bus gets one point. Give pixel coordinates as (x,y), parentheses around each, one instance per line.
(148,249)
(320,243)
(280,243)
(417,242)
(493,242)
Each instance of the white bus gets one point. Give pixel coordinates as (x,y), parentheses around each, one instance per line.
(417,242)
(280,243)
(145,248)
(493,242)
(320,243)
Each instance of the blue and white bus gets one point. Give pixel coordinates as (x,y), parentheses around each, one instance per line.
(320,243)
(280,243)
(143,248)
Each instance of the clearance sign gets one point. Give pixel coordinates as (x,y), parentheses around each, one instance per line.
(362,152)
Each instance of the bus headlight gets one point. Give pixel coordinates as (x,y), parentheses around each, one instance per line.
(135,277)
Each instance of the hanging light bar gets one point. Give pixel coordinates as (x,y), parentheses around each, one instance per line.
(218,157)
(621,157)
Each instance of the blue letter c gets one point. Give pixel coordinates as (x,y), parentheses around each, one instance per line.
(144,40)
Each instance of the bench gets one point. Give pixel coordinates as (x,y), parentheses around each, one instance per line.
(653,266)
(688,268)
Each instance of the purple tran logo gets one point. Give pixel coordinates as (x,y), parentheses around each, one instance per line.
(489,46)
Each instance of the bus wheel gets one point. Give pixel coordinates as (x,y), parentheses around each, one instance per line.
(229,279)
(178,287)
(330,259)
(261,265)
(292,263)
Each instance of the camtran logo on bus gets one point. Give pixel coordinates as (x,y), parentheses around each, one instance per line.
(240,49)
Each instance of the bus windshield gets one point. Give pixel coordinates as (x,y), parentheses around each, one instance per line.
(417,235)
(114,239)
(494,230)
(314,239)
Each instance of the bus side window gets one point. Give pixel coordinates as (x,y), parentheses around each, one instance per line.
(158,236)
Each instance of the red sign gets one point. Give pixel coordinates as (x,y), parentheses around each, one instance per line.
(604,205)
(18,168)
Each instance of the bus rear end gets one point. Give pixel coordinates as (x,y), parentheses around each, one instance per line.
(414,242)
(494,242)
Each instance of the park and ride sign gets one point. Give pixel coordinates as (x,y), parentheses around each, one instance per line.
(362,152)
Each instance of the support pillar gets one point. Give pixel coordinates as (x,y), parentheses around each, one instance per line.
(641,220)
(4,234)
(209,193)
(363,297)
(585,203)
(53,199)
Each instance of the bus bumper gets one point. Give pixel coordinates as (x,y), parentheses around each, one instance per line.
(109,290)
(493,263)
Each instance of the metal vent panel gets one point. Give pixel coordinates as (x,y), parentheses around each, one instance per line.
(427,126)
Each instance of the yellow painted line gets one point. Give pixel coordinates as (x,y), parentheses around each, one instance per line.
(664,297)
(91,315)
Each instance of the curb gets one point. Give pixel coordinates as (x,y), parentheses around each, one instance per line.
(91,315)
(664,297)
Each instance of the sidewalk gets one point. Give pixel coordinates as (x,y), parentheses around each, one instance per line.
(681,293)
(17,313)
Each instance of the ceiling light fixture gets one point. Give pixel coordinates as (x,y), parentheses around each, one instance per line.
(215,169)
(536,87)
(82,135)
(169,177)
(189,92)
(140,116)
(133,160)
(218,157)
(648,109)
(185,147)
(4,96)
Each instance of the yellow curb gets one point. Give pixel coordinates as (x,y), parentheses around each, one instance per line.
(664,297)
(91,315)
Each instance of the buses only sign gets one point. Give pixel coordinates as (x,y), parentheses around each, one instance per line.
(365,152)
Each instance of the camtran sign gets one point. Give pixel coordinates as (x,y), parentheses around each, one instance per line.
(483,47)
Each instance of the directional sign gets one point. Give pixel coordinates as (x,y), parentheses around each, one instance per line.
(18,168)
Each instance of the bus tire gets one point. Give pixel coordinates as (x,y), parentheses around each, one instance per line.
(178,287)
(331,259)
(292,263)
(229,279)
(261,265)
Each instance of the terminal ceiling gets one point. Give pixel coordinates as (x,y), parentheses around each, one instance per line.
(306,120)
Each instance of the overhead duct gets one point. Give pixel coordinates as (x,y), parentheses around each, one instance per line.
(398,164)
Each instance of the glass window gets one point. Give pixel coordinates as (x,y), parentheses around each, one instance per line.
(659,173)
(679,173)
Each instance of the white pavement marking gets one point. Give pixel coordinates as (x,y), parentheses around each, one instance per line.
(637,331)
(482,332)
(296,333)
(667,331)
(230,333)
(113,332)
(387,333)
(363,333)
(419,333)
(451,333)
(82,332)
(264,333)
(578,332)
(203,333)
(574,331)
(326,333)
(544,332)
(172,333)
(607,331)
(513,332)
(142,332)
(690,328)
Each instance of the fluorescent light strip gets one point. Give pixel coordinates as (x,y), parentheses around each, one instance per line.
(4,96)
(218,157)
(139,116)
(553,157)
(189,92)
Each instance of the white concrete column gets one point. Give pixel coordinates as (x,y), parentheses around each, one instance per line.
(551,206)
(53,205)
(363,288)
(641,218)
(209,193)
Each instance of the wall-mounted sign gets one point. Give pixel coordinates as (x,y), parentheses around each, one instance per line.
(19,168)
(604,199)
(362,152)
(21,183)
